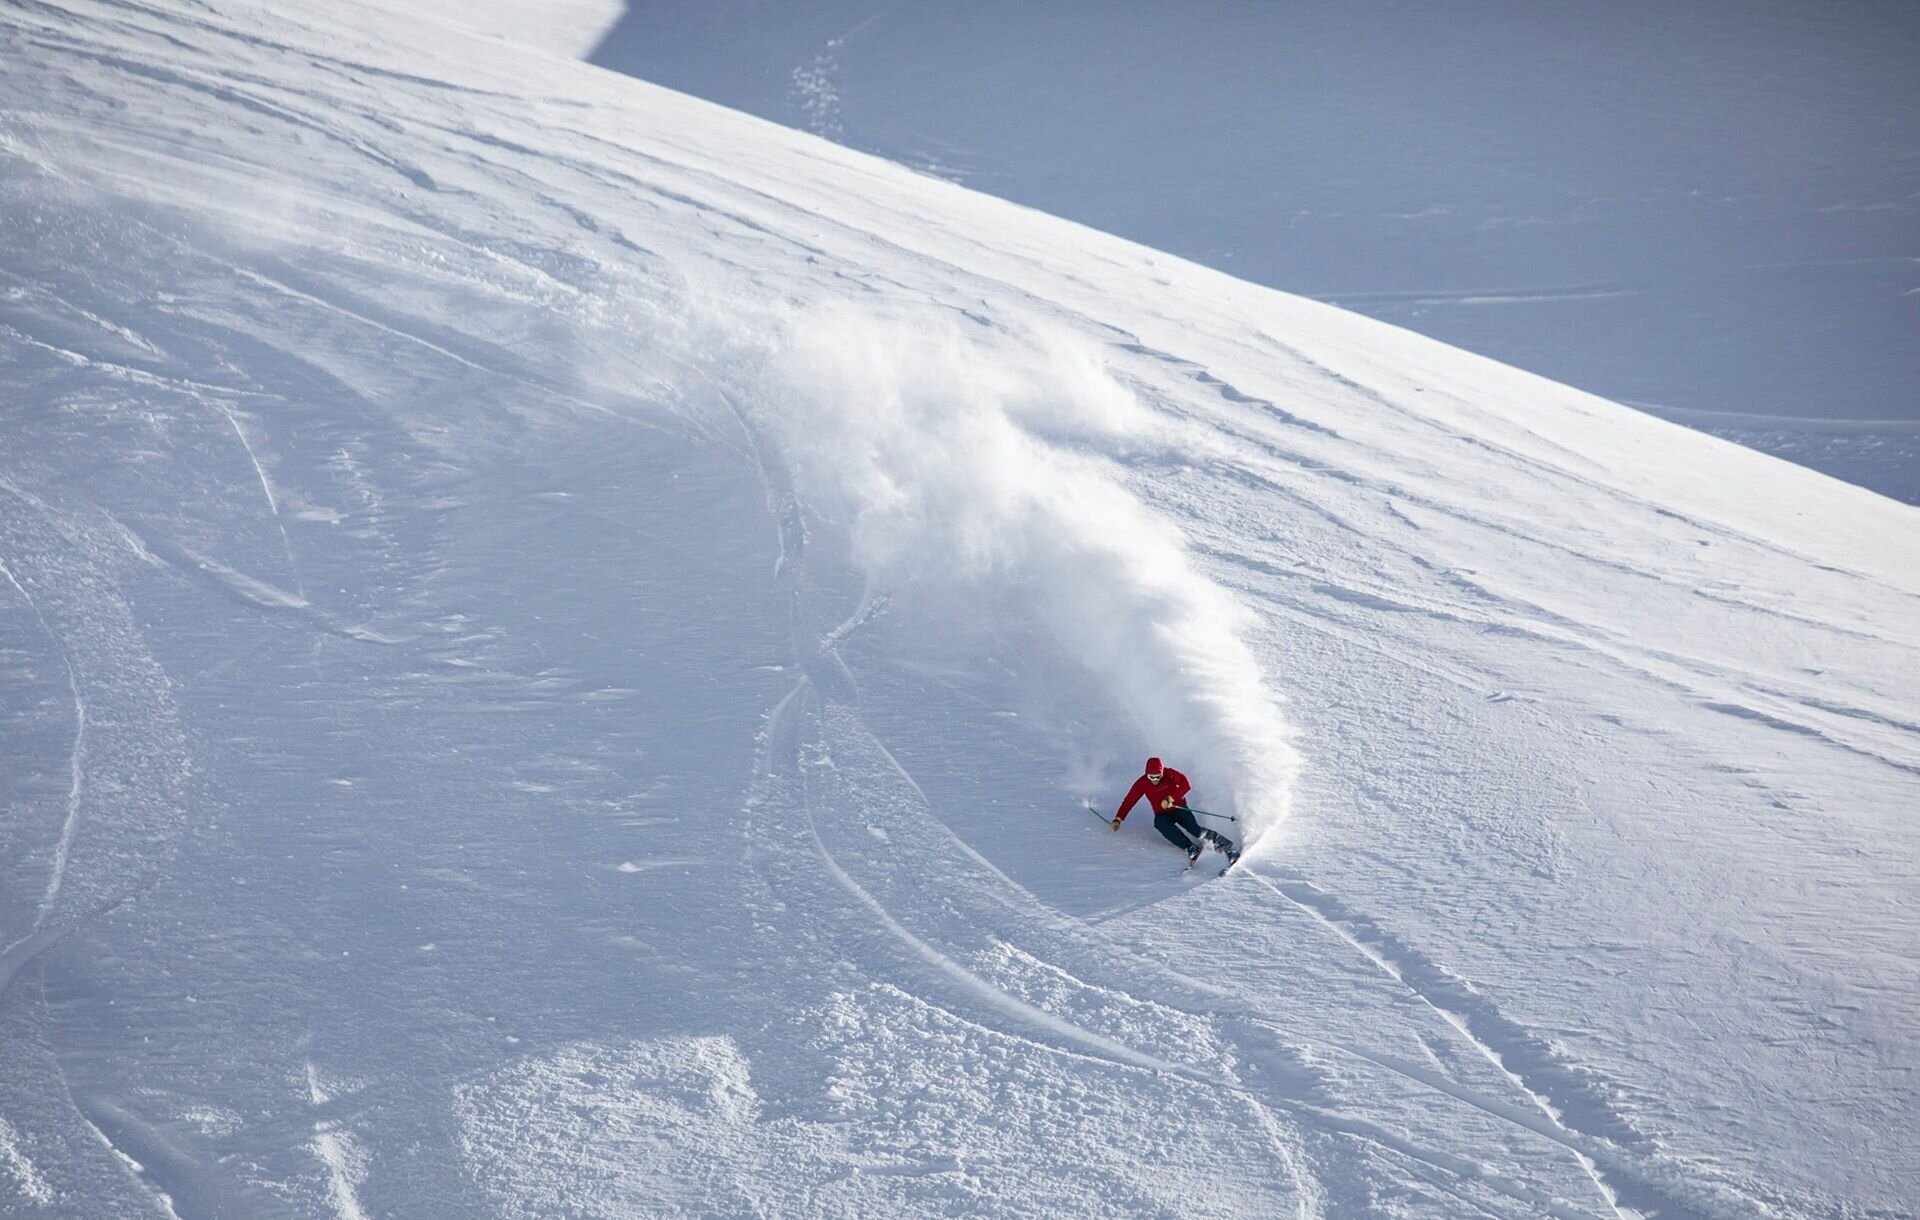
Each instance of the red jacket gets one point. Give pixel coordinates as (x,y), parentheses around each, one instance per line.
(1170,791)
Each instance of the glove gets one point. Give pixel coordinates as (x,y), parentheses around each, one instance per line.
(1117,821)
(1166,802)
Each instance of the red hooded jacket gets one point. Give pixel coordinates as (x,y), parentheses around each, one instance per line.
(1170,791)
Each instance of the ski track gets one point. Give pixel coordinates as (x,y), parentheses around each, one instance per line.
(1402,965)
(1707,685)
(256,593)
(273,505)
(76,762)
(23,952)
(149,1159)
(359,314)
(136,775)
(1625,1164)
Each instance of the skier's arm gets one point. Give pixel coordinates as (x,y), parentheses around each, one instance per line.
(1134,794)
(1180,786)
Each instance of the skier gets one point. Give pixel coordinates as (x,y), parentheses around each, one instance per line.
(1166,791)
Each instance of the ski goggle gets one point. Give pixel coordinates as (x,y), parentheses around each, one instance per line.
(1154,777)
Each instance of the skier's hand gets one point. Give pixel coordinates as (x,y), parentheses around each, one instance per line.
(1116,823)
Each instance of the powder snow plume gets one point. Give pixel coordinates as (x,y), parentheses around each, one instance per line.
(956,452)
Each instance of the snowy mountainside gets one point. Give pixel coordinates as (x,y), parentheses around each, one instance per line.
(556,634)
(568,28)
(1706,212)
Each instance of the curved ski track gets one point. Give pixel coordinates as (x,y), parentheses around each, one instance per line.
(927,890)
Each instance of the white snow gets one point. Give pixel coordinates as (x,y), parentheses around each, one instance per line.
(686,575)
(27,1184)
(1706,210)
(567,28)
(344,1159)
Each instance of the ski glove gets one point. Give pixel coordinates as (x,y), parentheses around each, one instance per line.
(1117,821)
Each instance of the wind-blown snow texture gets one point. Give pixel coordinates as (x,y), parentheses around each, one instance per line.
(554,636)
(1705,210)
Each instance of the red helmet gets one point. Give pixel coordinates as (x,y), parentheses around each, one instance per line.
(1154,767)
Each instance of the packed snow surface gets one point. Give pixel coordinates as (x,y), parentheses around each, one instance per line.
(555,637)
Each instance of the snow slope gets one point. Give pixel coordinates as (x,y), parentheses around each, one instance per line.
(555,634)
(1706,210)
(567,28)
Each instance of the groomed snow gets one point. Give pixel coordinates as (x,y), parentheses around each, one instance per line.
(555,636)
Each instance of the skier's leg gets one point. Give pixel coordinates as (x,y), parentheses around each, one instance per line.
(1201,836)
(1183,817)
(1168,824)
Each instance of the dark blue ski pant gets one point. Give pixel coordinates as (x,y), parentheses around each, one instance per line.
(1183,832)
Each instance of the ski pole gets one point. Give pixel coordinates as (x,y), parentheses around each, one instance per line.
(1204,814)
